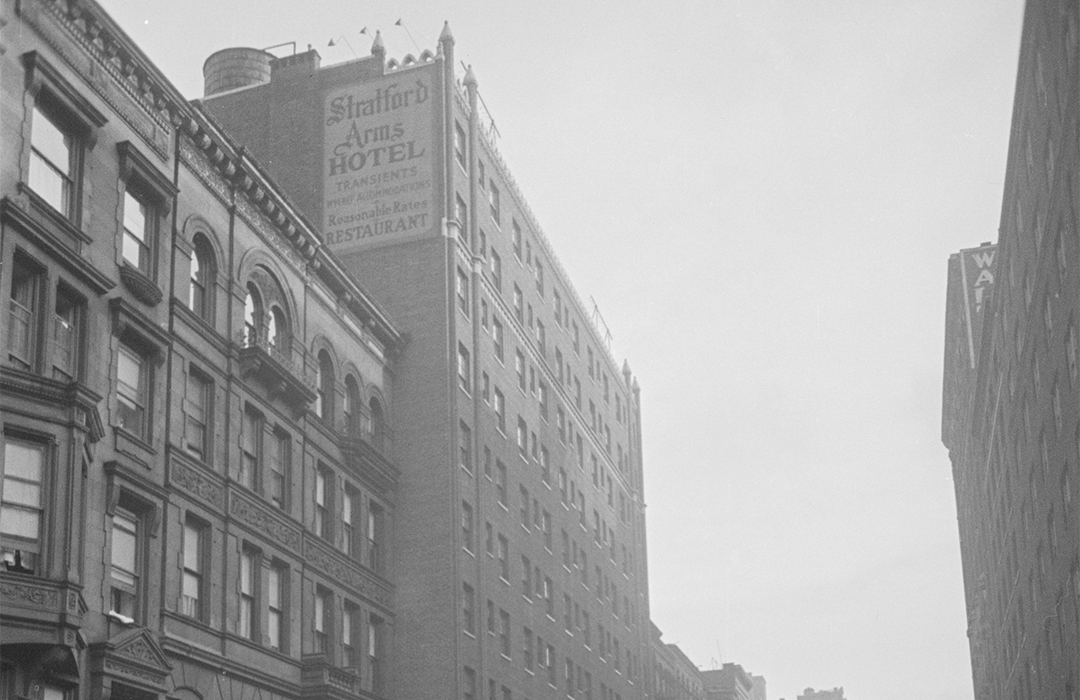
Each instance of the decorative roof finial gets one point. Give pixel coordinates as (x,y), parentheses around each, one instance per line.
(470,77)
(446,35)
(377,46)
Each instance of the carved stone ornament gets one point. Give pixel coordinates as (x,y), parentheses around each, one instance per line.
(347,573)
(197,484)
(140,285)
(24,595)
(257,517)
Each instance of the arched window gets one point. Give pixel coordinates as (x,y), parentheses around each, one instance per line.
(266,322)
(324,404)
(201,287)
(352,407)
(253,315)
(378,424)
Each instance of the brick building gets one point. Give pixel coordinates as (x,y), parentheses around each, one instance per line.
(198,495)
(674,675)
(1011,413)
(519,518)
(729,682)
(811,694)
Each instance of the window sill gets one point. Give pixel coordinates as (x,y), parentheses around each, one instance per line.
(56,218)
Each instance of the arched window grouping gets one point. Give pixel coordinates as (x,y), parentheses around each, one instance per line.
(266,321)
(360,416)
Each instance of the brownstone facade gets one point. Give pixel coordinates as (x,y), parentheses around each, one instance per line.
(198,484)
(1011,416)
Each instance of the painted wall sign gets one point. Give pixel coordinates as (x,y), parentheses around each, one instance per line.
(378,151)
(977,276)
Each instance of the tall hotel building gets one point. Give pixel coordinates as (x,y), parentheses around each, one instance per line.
(1011,413)
(519,522)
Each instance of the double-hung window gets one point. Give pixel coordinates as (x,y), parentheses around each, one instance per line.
(323,606)
(22,508)
(493,200)
(192,585)
(247,625)
(468,609)
(350,500)
(139,220)
(375,652)
(132,391)
(68,312)
(519,367)
(504,558)
(197,410)
(52,162)
(464,369)
(323,486)
(499,404)
(496,269)
(147,198)
(466,526)
(275,607)
(465,446)
(375,537)
(497,338)
(251,448)
(516,238)
(126,562)
(279,452)
(463,291)
(27,291)
(350,617)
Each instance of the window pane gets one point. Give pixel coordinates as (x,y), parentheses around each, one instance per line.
(65,335)
(48,183)
(129,372)
(274,588)
(22,493)
(124,548)
(20,522)
(134,218)
(22,461)
(274,629)
(50,142)
(191,548)
(246,583)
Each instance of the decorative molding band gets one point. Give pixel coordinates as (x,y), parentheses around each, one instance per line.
(259,517)
(350,574)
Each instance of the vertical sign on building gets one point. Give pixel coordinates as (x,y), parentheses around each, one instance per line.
(977,277)
(378,150)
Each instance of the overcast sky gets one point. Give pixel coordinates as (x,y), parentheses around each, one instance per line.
(761,196)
